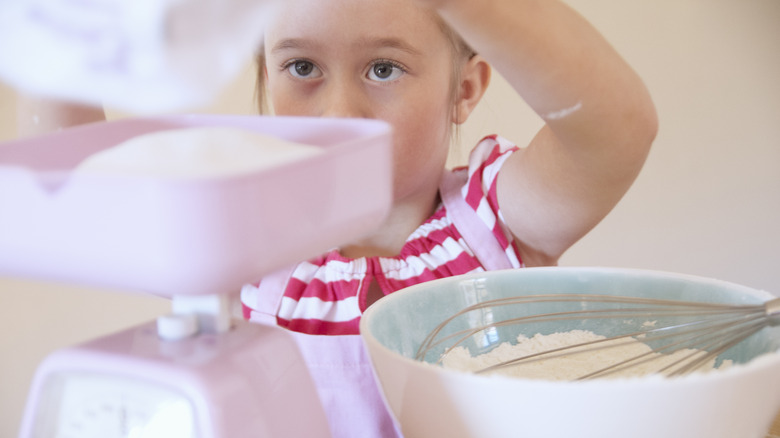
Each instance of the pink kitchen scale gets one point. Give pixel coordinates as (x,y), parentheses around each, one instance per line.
(196,372)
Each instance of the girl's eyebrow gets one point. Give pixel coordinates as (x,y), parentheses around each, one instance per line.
(291,43)
(372,43)
(391,43)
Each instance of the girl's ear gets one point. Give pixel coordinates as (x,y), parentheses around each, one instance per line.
(474,81)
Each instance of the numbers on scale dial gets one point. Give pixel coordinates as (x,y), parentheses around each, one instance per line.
(102,407)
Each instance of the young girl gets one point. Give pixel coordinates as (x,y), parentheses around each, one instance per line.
(422,66)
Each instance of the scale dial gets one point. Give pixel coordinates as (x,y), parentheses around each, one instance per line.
(87,405)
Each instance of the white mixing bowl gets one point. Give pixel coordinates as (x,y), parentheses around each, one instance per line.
(429,401)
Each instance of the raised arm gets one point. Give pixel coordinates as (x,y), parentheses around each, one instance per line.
(37,115)
(600,120)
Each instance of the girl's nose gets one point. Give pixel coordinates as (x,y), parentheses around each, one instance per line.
(345,100)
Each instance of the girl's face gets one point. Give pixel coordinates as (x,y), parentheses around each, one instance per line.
(377,59)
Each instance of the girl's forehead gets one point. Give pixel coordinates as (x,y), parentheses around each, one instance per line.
(353,22)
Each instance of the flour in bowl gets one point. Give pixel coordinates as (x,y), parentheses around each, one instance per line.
(568,367)
(195,153)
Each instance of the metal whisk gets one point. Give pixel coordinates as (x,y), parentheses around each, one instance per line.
(704,330)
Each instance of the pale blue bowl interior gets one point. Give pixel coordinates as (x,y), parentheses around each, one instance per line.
(402,320)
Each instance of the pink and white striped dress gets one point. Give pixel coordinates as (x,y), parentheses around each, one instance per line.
(327,295)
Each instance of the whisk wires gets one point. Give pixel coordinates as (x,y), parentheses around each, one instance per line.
(709,330)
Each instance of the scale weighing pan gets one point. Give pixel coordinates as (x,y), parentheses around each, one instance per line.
(193,236)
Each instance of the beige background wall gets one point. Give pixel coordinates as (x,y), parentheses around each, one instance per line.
(707,202)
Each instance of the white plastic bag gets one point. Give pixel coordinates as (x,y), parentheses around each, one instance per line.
(143,56)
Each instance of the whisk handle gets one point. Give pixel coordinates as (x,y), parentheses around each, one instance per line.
(773,311)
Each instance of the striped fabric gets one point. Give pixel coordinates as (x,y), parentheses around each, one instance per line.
(327,295)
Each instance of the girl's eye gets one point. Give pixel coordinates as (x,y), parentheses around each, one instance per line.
(303,69)
(385,72)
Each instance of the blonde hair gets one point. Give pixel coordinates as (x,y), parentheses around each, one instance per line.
(462,53)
